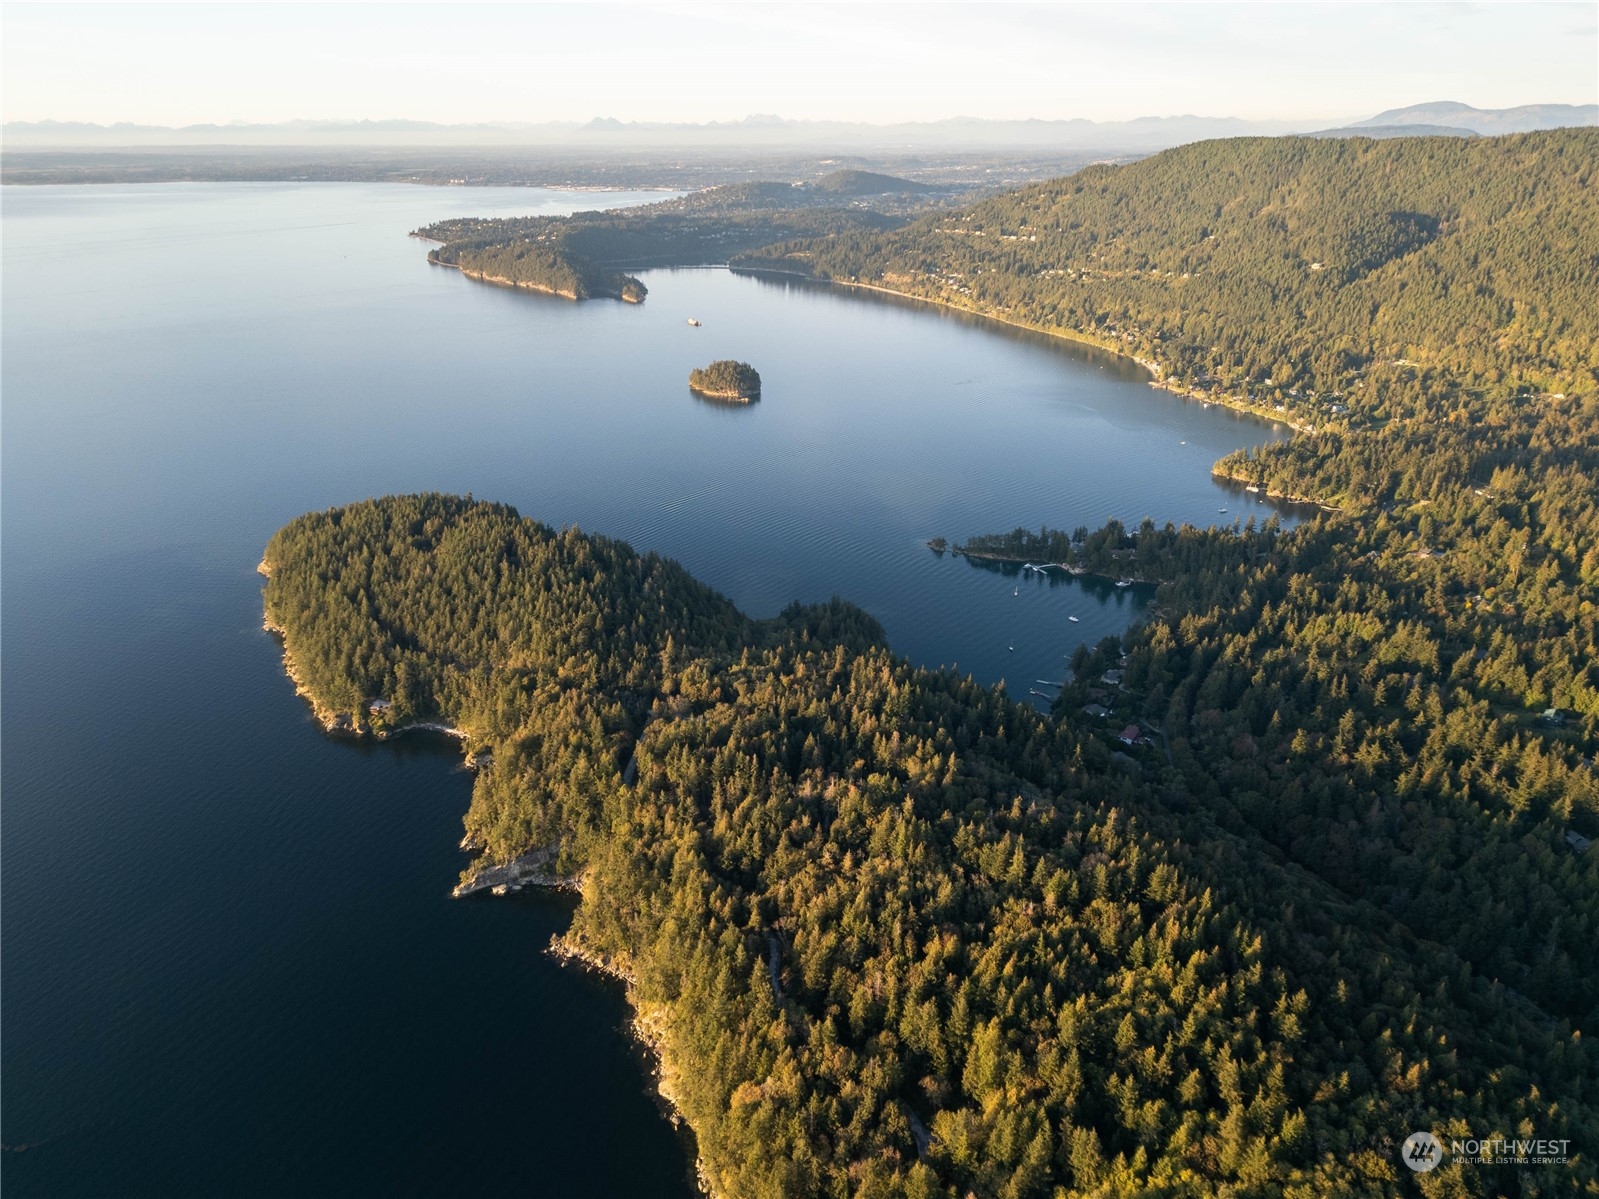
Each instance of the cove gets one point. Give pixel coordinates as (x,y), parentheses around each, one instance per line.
(232,965)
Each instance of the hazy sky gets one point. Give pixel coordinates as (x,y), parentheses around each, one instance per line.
(191,63)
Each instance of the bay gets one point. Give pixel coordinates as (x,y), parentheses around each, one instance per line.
(230,960)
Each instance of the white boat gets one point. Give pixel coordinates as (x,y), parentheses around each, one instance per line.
(1073,619)
(694,322)
(1124,582)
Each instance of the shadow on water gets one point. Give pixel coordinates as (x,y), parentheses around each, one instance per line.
(550,910)
(723,404)
(1115,365)
(547,907)
(1252,503)
(406,745)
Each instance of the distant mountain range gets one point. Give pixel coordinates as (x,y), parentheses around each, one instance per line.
(1382,131)
(1143,133)
(761,130)
(1445,115)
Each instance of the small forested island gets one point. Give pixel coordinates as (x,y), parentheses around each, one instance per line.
(726,380)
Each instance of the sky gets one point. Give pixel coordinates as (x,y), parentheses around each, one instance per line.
(879,63)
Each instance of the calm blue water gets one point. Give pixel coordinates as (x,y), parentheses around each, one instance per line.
(230,963)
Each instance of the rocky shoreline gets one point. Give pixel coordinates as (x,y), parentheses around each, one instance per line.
(648,1028)
(536,868)
(347,724)
(526,284)
(501,280)
(740,397)
(331,721)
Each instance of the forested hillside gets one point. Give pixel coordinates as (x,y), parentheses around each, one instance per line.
(899,935)
(868,183)
(1404,696)
(1341,279)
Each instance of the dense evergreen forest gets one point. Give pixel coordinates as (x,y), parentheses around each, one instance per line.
(896,934)
(725,377)
(1404,696)
(1340,279)
(541,264)
(901,936)
(584,254)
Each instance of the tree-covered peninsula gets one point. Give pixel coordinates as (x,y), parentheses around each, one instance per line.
(1326,877)
(586,253)
(894,934)
(727,380)
(539,266)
